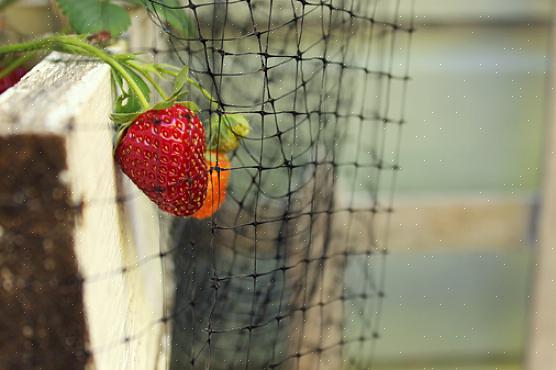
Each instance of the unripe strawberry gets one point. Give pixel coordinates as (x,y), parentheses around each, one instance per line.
(227,131)
(217,186)
(162,152)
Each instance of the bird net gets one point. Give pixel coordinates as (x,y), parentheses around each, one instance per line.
(289,274)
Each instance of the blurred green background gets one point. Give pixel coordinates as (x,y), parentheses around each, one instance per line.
(476,111)
(458,285)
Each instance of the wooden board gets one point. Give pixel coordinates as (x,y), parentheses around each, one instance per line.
(73,227)
(541,353)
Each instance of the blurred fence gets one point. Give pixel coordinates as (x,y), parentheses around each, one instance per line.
(263,283)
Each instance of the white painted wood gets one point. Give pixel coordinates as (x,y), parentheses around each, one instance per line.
(71,97)
(148,225)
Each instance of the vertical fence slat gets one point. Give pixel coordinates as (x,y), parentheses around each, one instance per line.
(60,111)
(541,353)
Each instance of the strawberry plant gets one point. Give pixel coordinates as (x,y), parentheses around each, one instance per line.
(161,146)
(93,16)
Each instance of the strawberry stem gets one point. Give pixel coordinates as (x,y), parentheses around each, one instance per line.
(148,77)
(205,92)
(105,57)
(77,46)
(137,75)
(15,63)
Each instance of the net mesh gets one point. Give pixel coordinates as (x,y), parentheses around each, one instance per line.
(289,274)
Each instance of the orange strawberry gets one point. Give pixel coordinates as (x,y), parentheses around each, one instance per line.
(217,184)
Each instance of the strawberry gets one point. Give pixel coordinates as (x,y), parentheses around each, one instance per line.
(162,152)
(12,78)
(218,183)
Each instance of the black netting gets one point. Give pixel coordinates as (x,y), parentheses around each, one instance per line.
(289,273)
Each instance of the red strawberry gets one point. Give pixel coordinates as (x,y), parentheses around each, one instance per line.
(217,186)
(11,79)
(162,152)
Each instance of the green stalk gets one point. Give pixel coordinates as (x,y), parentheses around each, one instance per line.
(203,91)
(26,46)
(105,57)
(16,63)
(149,78)
(60,42)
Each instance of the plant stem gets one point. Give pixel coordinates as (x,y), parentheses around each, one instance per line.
(105,57)
(61,43)
(16,63)
(26,46)
(205,92)
(149,78)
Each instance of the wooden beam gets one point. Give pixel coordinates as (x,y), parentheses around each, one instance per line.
(461,223)
(76,285)
(541,353)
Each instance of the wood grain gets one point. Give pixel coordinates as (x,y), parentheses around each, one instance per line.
(65,104)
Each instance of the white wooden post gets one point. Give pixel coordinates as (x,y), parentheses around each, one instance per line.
(72,284)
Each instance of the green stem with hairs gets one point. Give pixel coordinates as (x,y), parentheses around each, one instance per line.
(205,92)
(149,78)
(105,57)
(80,47)
(16,63)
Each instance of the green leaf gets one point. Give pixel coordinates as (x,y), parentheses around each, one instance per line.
(191,105)
(175,15)
(182,95)
(147,67)
(132,102)
(122,118)
(163,105)
(167,69)
(118,79)
(181,79)
(92,16)
(136,2)
(125,57)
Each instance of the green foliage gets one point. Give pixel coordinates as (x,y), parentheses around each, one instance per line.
(172,13)
(92,16)
(5,3)
(128,101)
(226,132)
(191,105)
(132,80)
(181,79)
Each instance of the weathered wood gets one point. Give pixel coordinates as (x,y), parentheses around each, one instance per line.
(541,353)
(458,223)
(316,323)
(63,107)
